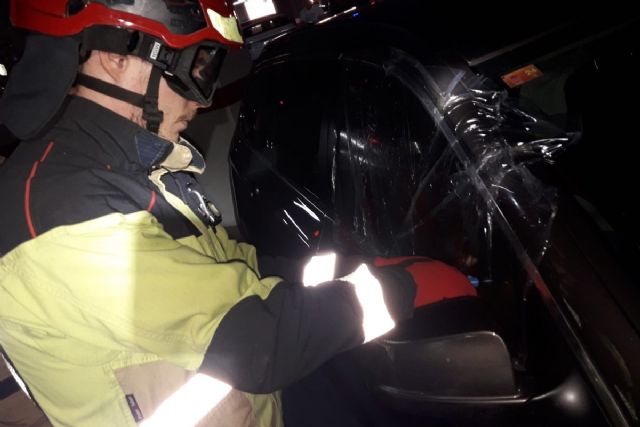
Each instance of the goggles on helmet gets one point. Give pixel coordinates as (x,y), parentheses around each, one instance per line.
(191,72)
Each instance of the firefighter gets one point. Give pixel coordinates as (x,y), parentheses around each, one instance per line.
(122,299)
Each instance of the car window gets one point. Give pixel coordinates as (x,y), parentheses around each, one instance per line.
(346,133)
(383,138)
(288,108)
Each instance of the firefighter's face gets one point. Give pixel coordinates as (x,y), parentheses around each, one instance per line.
(177,112)
(133,74)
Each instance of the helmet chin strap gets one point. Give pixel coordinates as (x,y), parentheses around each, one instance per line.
(148,102)
(150,111)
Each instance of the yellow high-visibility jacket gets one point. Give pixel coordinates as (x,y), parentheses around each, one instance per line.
(117,286)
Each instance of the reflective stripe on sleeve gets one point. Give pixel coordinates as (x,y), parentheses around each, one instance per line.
(319,269)
(376,319)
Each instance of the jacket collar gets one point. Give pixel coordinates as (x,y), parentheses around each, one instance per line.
(120,137)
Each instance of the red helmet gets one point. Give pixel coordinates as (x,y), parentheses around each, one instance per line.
(178,23)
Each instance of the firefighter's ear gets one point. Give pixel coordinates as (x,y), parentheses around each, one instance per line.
(124,70)
(113,64)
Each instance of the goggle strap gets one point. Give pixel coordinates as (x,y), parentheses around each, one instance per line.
(108,39)
(124,42)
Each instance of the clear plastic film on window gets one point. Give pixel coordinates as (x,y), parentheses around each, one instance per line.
(391,157)
(440,184)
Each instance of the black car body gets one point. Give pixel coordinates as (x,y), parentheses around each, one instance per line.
(502,147)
